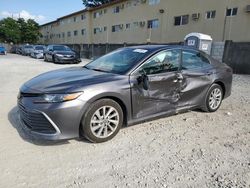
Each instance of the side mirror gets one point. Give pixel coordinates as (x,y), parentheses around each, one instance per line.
(143,79)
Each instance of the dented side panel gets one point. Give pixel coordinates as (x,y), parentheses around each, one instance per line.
(163,95)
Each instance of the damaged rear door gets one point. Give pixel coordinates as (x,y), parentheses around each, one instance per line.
(197,75)
(162,74)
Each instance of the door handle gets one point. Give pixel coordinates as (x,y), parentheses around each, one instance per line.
(179,78)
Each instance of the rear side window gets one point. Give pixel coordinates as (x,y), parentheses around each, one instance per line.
(193,60)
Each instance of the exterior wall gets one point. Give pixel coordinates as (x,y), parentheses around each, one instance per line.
(221,28)
(218,50)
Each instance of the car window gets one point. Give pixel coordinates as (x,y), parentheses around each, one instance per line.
(119,61)
(39,48)
(166,61)
(61,48)
(193,60)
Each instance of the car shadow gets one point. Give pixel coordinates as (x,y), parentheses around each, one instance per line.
(13,117)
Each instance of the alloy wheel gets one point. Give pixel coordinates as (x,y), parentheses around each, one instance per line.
(104,121)
(215,98)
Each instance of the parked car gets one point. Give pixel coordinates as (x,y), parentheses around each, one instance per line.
(26,50)
(124,87)
(13,49)
(19,49)
(3,50)
(61,54)
(37,51)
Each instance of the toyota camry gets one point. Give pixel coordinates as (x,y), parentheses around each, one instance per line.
(124,87)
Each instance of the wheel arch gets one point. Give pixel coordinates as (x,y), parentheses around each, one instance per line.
(122,103)
(220,83)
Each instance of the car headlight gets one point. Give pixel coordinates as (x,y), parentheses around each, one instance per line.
(56,98)
(59,55)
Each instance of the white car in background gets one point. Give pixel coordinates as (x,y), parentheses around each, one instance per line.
(37,51)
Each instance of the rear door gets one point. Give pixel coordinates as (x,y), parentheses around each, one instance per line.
(197,75)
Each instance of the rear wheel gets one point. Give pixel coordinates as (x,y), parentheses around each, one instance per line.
(102,121)
(214,98)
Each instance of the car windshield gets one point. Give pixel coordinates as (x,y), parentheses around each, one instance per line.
(61,48)
(28,46)
(39,48)
(119,61)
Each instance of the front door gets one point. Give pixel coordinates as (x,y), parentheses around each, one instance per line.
(164,83)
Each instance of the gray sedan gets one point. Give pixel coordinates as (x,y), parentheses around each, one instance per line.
(124,87)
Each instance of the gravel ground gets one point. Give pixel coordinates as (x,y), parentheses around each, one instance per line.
(192,149)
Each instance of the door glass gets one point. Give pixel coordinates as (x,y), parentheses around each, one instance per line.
(166,61)
(193,60)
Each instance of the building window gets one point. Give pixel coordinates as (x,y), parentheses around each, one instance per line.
(69,34)
(181,20)
(210,14)
(97,14)
(62,22)
(59,35)
(153,23)
(63,35)
(104,11)
(75,19)
(136,24)
(83,16)
(83,31)
(128,4)
(117,28)
(104,28)
(128,26)
(75,33)
(232,11)
(97,30)
(153,2)
(69,20)
(116,9)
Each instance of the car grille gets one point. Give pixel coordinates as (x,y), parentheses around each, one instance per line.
(68,56)
(35,121)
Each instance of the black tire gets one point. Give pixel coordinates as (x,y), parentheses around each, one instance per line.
(45,58)
(53,59)
(207,106)
(85,128)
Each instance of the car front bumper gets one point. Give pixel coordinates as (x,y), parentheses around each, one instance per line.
(67,60)
(51,121)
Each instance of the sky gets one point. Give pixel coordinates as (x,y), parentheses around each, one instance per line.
(42,11)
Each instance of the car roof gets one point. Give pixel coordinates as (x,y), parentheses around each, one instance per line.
(159,47)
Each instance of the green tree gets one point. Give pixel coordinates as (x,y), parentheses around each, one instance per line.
(10,31)
(95,3)
(19,31)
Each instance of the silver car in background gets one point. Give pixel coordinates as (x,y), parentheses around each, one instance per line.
(26,49)
(37,51)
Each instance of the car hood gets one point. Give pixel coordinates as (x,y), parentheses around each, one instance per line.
(66,80)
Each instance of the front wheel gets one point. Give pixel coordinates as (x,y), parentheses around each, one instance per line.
(102,121)
(45,58)
(214,98)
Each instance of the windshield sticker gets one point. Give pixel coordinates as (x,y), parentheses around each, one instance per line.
(140,51)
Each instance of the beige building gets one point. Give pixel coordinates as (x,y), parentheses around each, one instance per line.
(155,21)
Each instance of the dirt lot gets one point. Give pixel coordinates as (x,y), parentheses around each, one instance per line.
(193,149)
